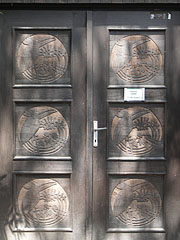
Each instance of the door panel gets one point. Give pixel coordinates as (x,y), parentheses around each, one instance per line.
(46,109)
(130,164)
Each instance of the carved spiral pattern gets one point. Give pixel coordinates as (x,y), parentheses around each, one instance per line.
(136,59)
(42,130)
(136,130)
(43,202)
(135,202)
(42,58)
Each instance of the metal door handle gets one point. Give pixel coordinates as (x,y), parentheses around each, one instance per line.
(95,133)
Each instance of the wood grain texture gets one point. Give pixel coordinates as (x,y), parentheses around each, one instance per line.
(89,162)
(6,135)
(151,95)
(118,165)
(99,154)
(102,172)
(72,165)
(173,130)
(90,1)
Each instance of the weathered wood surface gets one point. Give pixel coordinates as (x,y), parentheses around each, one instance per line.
(25,168)
(90,1)
(99,183)
(153,170)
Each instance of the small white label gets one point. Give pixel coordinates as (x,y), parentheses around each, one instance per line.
(134,94)
(161,15)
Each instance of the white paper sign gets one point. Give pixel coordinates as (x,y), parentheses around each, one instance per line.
(134,94)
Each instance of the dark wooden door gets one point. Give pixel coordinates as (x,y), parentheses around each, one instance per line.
(136,165)
(43,125)
(53,183)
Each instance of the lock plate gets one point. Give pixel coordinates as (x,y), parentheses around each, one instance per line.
(95,135)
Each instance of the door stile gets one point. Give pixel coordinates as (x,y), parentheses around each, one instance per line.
(172,193)
(6,129)
(89,140)
(100,115)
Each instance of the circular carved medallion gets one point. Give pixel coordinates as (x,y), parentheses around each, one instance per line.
(135,202)
(42,58)
(42,130)
(136,130)
(43,201)
(136,58)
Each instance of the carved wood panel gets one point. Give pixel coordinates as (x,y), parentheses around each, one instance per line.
(136,130)
(43,130)
(136,58)
(42,57)
(135,202)
(42,202)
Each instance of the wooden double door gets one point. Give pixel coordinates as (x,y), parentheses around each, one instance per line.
(60,72)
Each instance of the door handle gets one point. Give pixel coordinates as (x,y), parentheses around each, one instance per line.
(95,133)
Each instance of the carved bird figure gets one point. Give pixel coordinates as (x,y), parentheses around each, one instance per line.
(130,196)
(125,124)
(32,196)
(127,50)
(35,44)
(136,58)
(32,123)
(124,198)
(44,61)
